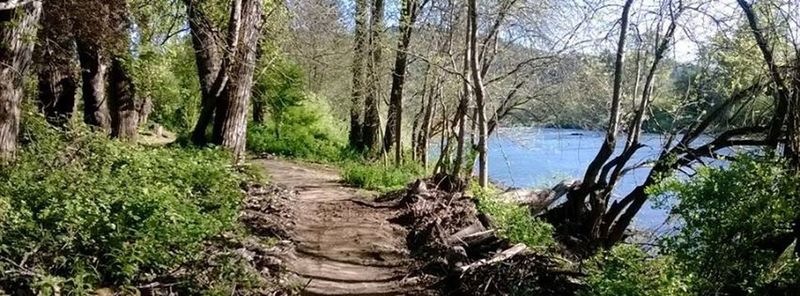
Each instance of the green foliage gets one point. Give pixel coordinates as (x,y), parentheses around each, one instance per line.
(167,76)
(514,222)
(736,223)
(381,177)
(307,132)
(82,211)
(279,89)
(626,270)
(299,124)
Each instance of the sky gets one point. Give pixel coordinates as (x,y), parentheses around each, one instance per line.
(697,25)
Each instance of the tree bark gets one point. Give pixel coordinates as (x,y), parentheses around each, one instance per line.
(463,104)
(793,141)
(480,96)
(122,102)
(93,89)
(394,121)
(359,77)
(371,127)
(58,83)
(16,52)
(230,124)
(208,62)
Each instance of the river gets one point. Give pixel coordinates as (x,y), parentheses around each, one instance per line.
(541,157)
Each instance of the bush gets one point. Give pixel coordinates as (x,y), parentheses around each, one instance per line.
(736,222)
(377,176)
(306,131)
(79,211)
(626,270)
(514,222)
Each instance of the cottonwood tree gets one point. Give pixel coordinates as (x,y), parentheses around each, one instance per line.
(230,123)
(394,121)
(54,57)
(230,88)
(371,127)
(18,22)
(90,21)
(359,75)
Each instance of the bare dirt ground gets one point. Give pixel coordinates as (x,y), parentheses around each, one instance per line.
(342,247)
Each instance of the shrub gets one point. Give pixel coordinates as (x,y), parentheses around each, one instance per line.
(306,131)
(377,176)
(79,211)
(626,270)
(735,224)
(514,222)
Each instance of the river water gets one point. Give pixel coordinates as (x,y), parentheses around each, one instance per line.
(542,157)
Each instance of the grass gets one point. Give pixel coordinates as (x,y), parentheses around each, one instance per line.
(380,177)
(514,222)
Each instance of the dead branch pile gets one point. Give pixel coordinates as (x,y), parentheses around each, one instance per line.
(460,245)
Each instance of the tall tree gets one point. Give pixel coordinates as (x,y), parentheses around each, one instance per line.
(359,77)
(371,126)
(122,92)
(480,95)
(230,123)
(90,21)
(463,102)
(208,61)
(394,120)
(54,58)
(122,101)
(18,21)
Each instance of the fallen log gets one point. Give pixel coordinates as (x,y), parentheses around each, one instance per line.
(538,200)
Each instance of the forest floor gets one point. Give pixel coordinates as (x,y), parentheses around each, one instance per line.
(342,245)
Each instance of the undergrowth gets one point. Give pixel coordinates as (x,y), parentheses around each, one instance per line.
(513,222)
(628,270)
(79,211)
(379,176)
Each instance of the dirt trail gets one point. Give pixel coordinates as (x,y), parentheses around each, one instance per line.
(342,247)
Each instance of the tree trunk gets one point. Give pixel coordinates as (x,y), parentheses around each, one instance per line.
(93,75)
(122,102)
(371,127)
(16,51)
(781,94)
(596,201)
(359,56)
(208,61)
(480,96)
(394,122)
(463,104)
(58,81)
(793,140)
(258,111)
(230,124)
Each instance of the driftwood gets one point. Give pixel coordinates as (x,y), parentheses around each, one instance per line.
(538,200)
(471,235)
(517,249)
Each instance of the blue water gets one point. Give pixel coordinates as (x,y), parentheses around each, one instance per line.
(542,157)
